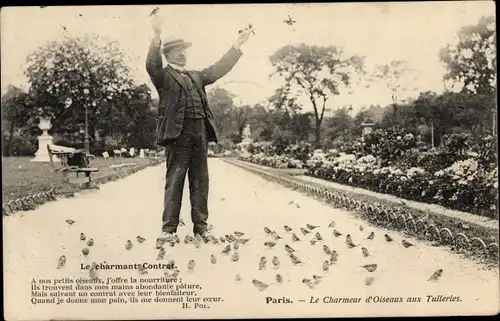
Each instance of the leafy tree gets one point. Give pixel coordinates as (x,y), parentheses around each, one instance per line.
(87,71)
(314,72)
(283,99)
(339,126)
(393,75)
(14,113)
(139,118)
(261,123)
(240,116)
(472,60)
(221,104)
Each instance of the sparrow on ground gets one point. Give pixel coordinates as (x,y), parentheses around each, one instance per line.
(295,260)
(275,235)
(276,262)
(406,243)
(326,266)
(142,270)
(334,257)
(327,250)
(161,254)
(436,275)
(309,283)
(227,249)
(262,263)
(191,265)
(370,267)
(311,227)
(235,257)
(369,281)
(304,231)
(93,271)
(62,261)
(261,286)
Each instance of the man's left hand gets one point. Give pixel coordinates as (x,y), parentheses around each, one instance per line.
(243,36)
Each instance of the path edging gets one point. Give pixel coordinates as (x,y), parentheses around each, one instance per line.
(421,225)
(31,202)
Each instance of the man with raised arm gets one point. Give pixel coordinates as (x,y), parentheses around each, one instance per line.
(185,124)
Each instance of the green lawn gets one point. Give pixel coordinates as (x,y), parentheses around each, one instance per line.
(23,178)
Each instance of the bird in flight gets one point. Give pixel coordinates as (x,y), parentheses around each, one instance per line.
(155,11)
(289,21)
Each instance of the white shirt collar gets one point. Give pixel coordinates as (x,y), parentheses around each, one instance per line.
(177,67)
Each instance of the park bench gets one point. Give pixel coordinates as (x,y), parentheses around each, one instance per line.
(76,161)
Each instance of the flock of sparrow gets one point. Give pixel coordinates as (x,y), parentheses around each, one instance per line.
(232,242)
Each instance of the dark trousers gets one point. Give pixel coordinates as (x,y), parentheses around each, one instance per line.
(187,154)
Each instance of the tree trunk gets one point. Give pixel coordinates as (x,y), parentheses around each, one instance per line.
(432,133)
(11,139)
(494,125)
(317,140)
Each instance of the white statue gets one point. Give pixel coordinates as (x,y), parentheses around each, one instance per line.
(246,131)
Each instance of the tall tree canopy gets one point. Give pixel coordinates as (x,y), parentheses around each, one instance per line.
(87,70)
(15,113)
(395,75)
(315,72)
(472,60)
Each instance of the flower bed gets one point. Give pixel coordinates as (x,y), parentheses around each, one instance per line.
(461,175)
(463,186)
(274,161)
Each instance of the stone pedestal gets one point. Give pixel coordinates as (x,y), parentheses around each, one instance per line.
(367,127)
(244,144)
(141,153)
(42,155)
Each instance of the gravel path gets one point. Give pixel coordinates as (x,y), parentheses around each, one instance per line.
(239,201)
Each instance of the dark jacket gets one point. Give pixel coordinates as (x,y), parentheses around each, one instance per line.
(170,90)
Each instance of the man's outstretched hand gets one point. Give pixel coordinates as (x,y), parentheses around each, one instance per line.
(156,23)
(243,37)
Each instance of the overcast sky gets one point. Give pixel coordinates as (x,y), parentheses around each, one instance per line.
(381,32)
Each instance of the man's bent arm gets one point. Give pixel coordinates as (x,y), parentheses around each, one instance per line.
(222,67)
(154,64)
